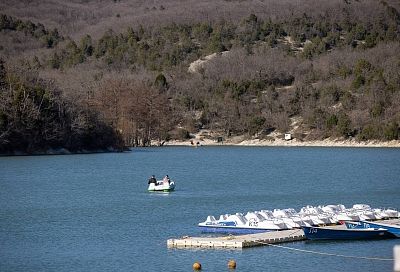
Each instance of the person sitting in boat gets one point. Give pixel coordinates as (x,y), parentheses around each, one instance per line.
(152,179)
(166,180)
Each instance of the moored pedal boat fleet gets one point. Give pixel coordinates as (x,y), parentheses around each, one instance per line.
(309,218)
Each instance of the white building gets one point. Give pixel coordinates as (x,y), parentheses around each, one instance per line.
(288,136)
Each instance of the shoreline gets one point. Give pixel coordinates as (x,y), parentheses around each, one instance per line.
(284,143)
(62,152)
(234,141)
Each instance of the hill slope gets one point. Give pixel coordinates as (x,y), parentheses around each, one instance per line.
(334,65)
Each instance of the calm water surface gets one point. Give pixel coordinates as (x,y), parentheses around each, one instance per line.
(93,213)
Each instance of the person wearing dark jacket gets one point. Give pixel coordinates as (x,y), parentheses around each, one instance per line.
(152,179)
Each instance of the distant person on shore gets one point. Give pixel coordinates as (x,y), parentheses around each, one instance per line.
(166,180)
(152,179)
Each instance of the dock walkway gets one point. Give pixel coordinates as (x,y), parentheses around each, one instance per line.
(238,241)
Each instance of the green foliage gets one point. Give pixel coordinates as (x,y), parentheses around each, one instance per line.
(2,73)
(238,90)
(202,31)
(72,55)
(344,71)
(256,124)
(358,81)
(332,93)
(343,125)
(105,43)
(391,131)
(309,50)
(362,66)
(86,45)
(162,47)
(249,30)
(331,122)
(332,39)
(48,38)
(55,61)
(358,32)
(370,132)
(371,40)
(365,73)
(161,82)
(316,47)
(216,44)
(377,110)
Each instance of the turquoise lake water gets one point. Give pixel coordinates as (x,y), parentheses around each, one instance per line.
(93,212)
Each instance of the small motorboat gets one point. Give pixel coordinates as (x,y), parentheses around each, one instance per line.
(319,233)
(391,228)
(161,186)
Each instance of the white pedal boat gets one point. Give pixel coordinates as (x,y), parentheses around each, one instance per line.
(161,186)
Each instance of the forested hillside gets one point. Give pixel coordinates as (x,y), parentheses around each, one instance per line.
(35,118)
(150,71)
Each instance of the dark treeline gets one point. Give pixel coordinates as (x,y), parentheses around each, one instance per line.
(332,72)
(35,118)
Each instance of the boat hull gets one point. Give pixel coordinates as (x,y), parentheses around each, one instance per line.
(161,187)
(393,229)
(316,233)
(232,230)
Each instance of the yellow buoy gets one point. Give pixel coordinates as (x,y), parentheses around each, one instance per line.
(231,264)
(197,266)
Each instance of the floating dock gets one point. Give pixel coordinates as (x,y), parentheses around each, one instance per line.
(249,240)
(238,241)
